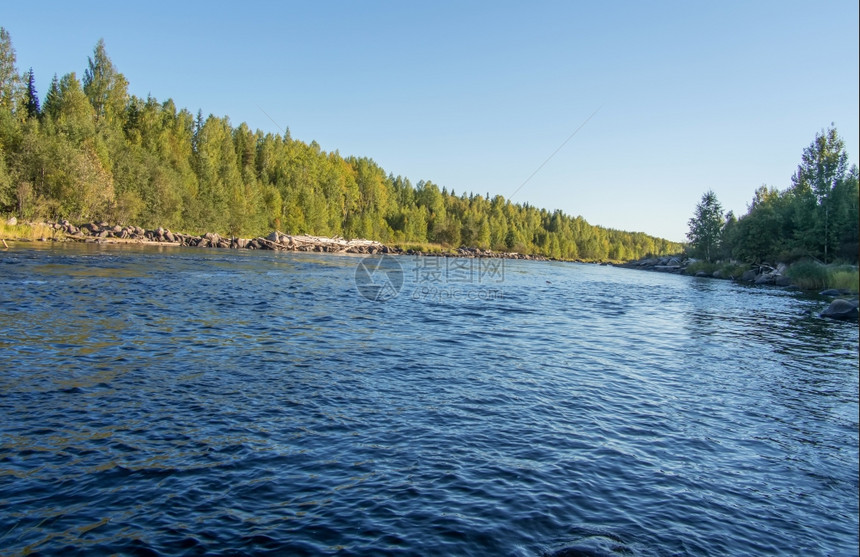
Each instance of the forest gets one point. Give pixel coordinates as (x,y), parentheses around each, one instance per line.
(90,151)
(816,217)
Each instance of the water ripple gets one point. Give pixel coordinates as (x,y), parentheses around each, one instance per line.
(170,402)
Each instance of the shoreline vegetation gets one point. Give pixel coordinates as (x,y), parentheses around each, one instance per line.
(89,151)
(807,275)
(840,282)
(105,233)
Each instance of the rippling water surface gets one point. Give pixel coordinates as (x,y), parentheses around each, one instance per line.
(165,401)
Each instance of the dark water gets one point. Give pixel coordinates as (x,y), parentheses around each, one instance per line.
(184,402)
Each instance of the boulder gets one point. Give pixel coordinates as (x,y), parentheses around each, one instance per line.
(717,274)
(748,276)
(273,237)
(841,309)
(832,292)
(12,221)
(766,278)
(782,280)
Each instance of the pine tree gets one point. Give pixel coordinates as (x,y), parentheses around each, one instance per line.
(33,108)
(52,99)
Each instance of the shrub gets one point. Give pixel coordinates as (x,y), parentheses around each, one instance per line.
(811,275)
(808,275)
(694,268)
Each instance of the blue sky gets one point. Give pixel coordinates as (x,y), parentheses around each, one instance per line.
(475,96)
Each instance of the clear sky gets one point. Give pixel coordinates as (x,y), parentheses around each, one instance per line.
(475,96)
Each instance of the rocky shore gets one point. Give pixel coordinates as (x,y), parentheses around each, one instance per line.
(104,232)
(678,264)
(844,304)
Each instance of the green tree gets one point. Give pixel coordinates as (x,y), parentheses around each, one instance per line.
(824,166)
(105,87)
(73,113)
(9,79)
(52,99)
(33,108)
(705,226)
(7,192)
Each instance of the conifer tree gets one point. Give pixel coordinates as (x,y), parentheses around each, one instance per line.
(52,99)
(33,108)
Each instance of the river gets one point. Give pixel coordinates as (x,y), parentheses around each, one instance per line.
(173,401)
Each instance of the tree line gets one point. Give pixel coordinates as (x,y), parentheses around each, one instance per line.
(817,216)
(92,151)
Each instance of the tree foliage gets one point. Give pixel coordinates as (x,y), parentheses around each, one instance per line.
(816,216)
(706,227)
(33,106)
(91,151)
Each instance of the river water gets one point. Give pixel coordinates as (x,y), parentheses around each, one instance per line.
(182,401)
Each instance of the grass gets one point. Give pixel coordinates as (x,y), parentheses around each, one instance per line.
(423,248)
(698,266)
(845,279)
(30,232)
(811,275)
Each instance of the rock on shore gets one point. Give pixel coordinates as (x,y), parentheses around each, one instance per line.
(278,241)
(760,274)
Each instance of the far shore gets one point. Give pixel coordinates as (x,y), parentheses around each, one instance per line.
(105,233)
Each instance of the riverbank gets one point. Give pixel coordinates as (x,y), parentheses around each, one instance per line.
(804,275)
(838,282)
(105,233)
